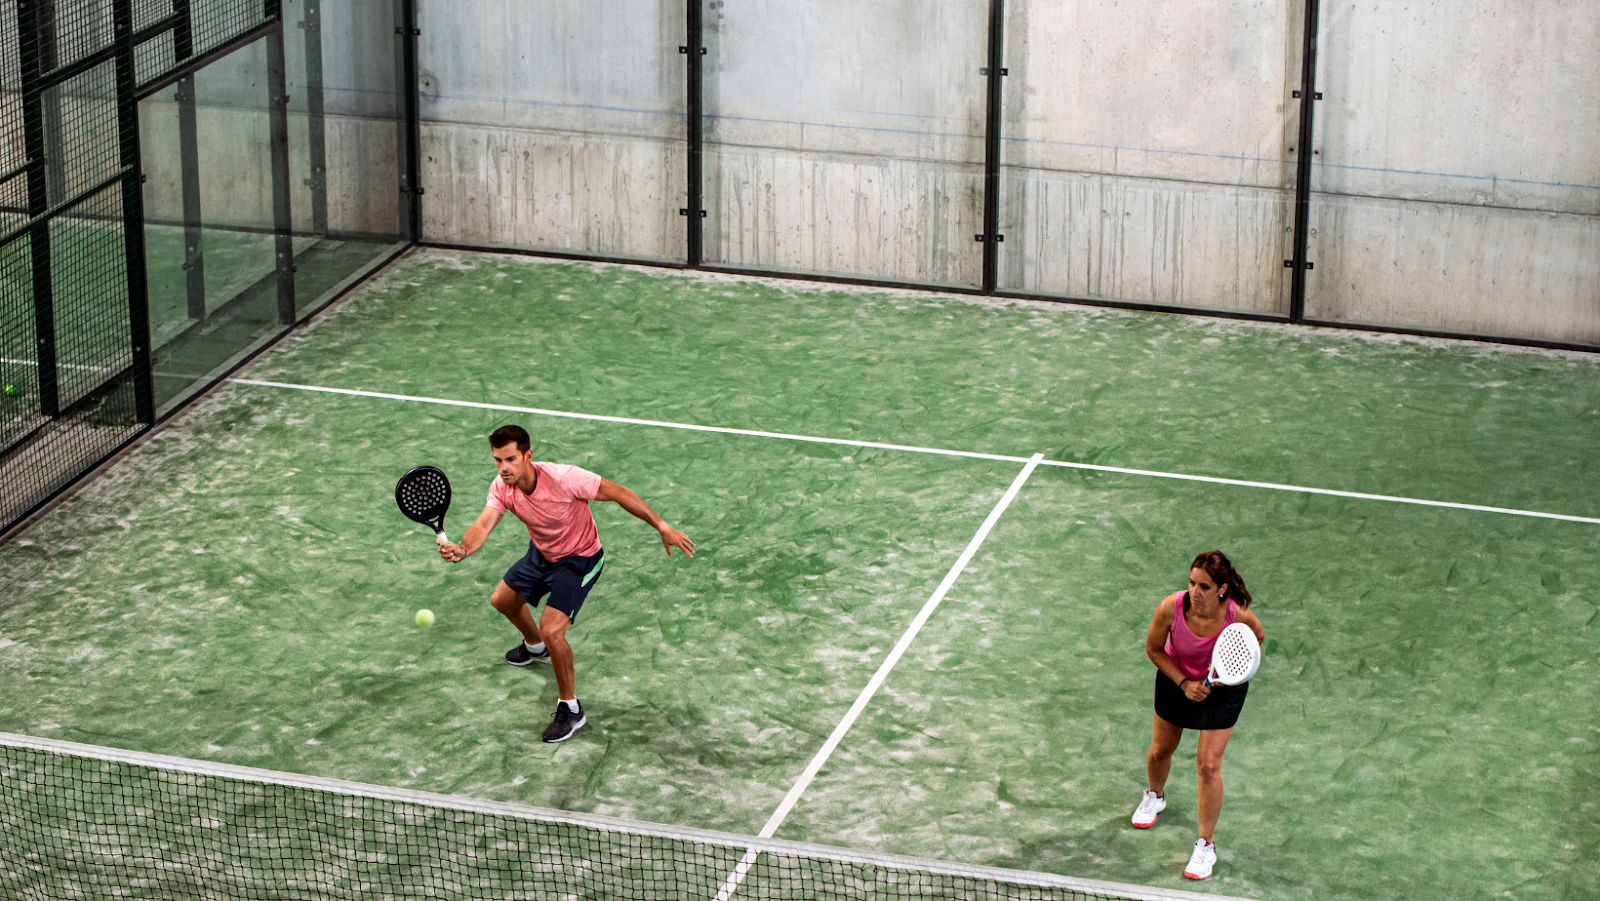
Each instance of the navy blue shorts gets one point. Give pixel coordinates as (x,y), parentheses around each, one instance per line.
(567,580)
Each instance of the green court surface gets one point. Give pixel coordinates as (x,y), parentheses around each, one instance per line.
(241,587)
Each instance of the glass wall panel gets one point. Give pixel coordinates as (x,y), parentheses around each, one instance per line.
(344,178)
(846,138)
(554,126)
(1149,151)
(1457,184)
(209,241)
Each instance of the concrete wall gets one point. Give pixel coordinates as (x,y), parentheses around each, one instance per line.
(555,126)
(553,190)
(1149,148)
(1149,151)
(847,138)
(1459,168)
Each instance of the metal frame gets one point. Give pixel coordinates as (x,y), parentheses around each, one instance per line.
(410,119)
(45,174)
(34,85)
(995,71)
(194,260)
(695,52)
(316,120)
(278,125)
(1302,179)
(49,58)
(133,213)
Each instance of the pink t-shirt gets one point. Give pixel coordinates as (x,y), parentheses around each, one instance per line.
(557,512)
(1189,651)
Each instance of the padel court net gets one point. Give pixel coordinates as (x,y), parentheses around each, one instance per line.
(78,821)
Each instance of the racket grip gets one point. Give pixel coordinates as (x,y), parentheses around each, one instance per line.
(440,537)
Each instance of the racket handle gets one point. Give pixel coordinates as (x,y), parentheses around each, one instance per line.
(440,537)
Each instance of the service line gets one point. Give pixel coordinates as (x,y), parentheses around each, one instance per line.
(973,455)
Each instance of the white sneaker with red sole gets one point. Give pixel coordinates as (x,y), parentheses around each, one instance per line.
(1202,860)
(1149,806)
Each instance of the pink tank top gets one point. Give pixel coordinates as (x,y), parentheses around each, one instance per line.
(1189,651)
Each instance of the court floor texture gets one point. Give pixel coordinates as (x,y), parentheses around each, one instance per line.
(240,588)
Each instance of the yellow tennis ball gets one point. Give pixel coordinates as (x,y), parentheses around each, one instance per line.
(424,617)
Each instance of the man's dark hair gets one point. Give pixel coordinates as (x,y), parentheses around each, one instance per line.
(509,433)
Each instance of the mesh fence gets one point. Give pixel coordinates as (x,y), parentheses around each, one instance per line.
(73,313)
(90,289)
(84,822)
(58,449)
(19,362)
(216,22)
(81,121)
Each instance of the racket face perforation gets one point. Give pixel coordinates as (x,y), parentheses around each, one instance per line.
(1236,656)
(424,495)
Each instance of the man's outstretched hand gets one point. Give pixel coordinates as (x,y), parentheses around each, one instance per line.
(673,538)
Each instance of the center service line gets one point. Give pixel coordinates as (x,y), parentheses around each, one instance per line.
(773,822)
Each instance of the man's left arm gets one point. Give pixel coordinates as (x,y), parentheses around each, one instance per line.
(627,500)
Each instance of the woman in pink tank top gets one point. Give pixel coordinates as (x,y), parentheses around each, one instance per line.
(1182,633)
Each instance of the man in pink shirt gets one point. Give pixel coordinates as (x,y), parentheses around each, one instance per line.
(564,555)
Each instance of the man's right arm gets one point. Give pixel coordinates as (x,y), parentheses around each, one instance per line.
(476,535)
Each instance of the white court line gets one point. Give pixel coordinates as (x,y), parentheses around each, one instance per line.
(60,365)
(1006,458)
(730,884)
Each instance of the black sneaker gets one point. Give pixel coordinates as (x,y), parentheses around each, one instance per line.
(521,656)
(564,723)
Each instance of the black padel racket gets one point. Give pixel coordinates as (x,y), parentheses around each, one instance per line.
(424,495)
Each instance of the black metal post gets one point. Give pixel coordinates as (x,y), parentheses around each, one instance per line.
(282,220)
(316,125)
(194,262)
(194,265)
(408,113)
(133,213)
(182,32)
(49,61)
(995,71)
(1302,181)
(695,50)
(33,132)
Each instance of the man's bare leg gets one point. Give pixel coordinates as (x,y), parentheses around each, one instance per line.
(553,626)
(513,607)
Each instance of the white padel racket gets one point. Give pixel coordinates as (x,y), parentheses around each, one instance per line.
(1235,657)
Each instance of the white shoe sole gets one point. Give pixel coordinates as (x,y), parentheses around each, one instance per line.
(582,720)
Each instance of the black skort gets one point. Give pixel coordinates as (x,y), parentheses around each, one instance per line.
(1220,709)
